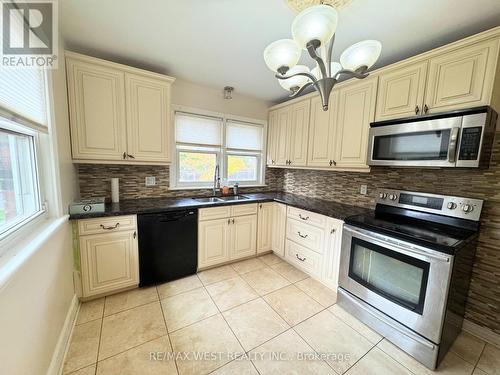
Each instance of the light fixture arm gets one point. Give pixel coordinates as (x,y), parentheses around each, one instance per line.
(308,75)
(329,56)
(359,73)
(311,48)
(300,90)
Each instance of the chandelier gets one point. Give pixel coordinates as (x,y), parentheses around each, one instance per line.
(313,29)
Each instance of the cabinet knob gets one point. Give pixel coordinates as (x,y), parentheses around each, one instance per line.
(426,108)
(417,110)
(124,155)
(130,156)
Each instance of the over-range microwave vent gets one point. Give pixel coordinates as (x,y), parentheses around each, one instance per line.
(461,139)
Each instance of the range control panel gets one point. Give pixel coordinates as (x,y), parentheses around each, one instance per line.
(465,208)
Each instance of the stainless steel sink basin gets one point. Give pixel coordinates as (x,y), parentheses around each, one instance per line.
(208,200)
(233,198)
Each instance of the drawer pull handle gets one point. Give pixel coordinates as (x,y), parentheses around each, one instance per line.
(110,228)
(299,258)
(302,235)
(303,218)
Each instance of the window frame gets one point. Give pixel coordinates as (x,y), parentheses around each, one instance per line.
(222,151)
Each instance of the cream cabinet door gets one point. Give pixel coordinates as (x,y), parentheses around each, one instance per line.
(356,112)
(331,257)
(97,111)
(109,262)
(279,228)
(322,132)
(148,118)
(272,137)
(213,242)
(283,135)
(299,133)
(462,78)
(401,92)
(265,227)
(243,236)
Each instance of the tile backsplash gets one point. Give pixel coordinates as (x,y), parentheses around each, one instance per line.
(95,181)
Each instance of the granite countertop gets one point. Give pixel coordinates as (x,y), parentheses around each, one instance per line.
(332,209)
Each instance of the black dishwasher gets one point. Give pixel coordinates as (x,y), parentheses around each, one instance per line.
(168,246)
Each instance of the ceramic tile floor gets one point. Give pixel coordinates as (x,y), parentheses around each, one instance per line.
(258,316)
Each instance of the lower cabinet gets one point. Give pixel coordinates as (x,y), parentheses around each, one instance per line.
(265,227)
(313,244)
(228,238)
(108,255)
(278,229)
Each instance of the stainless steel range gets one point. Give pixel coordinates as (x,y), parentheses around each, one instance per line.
(405,269)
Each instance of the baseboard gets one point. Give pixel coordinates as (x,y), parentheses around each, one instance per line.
(56,364)
(483,333)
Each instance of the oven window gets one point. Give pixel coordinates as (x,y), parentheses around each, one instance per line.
(395,276)
(430,145)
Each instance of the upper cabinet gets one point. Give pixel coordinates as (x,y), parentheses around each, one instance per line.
(118,114)
(272,137)
(356,111)
(462,78)
(299,133)
(459,78)
(401,91)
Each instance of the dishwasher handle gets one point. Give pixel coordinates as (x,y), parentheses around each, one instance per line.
(166,217)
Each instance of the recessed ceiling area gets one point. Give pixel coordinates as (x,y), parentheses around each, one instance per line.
(220,42)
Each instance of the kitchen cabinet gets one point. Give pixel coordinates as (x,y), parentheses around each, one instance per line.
(148,111)
(401,91)
(97,111)
(462,78)
(330,276)
(322,130)
(243,236)
(272,138)
(226,233)
(118,114)
(292,134)
(265,227)
(355,113)
(109,257)
(278,229)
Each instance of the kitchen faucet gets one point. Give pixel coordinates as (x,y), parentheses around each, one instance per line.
(216,180)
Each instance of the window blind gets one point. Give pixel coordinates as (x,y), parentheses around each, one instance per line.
(22,93)
(198,130)
(244,136)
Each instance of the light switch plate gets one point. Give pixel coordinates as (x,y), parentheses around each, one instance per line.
(363,190)
(150,181)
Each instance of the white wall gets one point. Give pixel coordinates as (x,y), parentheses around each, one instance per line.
(212,99)
(36,298)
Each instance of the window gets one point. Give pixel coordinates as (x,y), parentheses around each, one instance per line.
(23,121)
(19,192)
(203,142)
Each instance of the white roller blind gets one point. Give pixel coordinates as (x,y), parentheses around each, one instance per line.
(198,130)
(244,136)
(22,92)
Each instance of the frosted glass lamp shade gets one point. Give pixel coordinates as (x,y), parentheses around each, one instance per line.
(335,67)
(297,81)
(283,52)
(317,22)
(364,53)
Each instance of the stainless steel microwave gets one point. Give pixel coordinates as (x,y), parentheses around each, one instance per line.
(453,139)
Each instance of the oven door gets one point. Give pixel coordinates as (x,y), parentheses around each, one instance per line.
(431,143)
(407,282)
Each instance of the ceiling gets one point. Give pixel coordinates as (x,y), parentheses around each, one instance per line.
(220,42)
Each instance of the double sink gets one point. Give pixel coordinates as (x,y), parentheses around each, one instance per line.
(221,199)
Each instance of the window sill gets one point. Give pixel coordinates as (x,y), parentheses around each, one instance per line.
(211,187)
(22,250)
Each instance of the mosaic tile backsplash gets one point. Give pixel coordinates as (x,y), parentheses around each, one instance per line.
(483,306)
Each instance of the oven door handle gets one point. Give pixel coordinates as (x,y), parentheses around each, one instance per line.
(452,147)
(397,244)
(382,318)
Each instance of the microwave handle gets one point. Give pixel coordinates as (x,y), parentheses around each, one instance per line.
(452,147)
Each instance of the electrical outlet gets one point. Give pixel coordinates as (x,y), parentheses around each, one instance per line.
(150,181)
(363,190)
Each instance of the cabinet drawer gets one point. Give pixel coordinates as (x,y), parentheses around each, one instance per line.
(303,258)
(307,217)
(106,224)
(214,213)
(244,209)
(306,235)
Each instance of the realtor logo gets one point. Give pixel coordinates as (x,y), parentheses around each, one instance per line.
(29,33)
